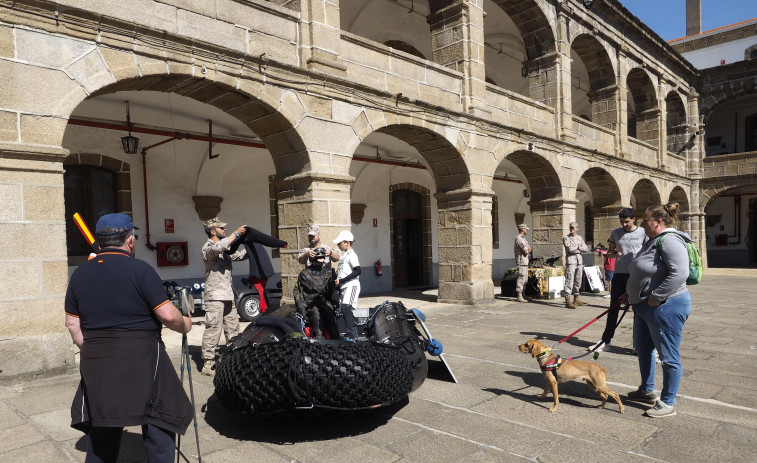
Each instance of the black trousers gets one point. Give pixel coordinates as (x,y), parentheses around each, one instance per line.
(619,281)
(104,444)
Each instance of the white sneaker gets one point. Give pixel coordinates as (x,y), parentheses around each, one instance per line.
(599,347)
(606,296)
(657,358)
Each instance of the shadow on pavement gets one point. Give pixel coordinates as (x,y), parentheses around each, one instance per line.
(295,427)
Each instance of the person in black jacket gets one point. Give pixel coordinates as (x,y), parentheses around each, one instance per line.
(261,268)
(115,308)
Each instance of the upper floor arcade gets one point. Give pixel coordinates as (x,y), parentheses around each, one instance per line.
(589,76)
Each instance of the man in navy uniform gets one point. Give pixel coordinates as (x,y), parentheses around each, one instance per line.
(115,308)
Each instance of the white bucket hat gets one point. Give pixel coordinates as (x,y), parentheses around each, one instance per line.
(344,235)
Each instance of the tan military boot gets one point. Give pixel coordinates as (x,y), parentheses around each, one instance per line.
(578,302)
(207,368)
(520,297)
(569,304)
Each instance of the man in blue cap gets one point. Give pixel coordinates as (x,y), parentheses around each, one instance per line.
(115,308)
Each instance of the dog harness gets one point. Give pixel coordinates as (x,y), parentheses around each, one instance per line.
(554,364)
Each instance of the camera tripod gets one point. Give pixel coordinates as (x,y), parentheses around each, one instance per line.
(185,358)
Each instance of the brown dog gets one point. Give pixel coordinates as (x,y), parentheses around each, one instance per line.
(594,374)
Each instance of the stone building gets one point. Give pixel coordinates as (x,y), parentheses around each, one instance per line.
(727,83)
(427,127)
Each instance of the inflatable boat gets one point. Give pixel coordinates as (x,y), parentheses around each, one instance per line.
(272,367)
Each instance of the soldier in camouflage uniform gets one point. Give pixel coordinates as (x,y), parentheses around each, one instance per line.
(313,295)
(220,313)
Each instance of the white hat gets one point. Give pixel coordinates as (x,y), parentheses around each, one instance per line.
(344,235)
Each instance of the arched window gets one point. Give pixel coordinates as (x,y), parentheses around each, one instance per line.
(91,191)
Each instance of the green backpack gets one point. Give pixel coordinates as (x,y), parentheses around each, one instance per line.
(695,260)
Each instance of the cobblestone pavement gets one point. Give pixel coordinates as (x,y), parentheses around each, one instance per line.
(492,414)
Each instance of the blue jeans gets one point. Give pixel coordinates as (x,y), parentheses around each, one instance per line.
(661,327)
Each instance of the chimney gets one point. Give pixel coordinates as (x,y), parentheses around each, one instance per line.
(693,17)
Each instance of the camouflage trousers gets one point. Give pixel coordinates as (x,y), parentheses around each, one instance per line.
(522,278)
(219,316)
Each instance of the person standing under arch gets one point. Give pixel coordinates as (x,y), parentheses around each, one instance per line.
(574,266)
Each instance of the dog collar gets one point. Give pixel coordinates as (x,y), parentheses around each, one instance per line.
(543,353)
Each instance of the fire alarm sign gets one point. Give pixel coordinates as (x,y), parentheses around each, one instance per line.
(169,225)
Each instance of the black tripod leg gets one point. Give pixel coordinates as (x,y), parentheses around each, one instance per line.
(192,396)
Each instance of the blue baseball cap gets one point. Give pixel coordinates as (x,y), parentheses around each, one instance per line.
(119,221)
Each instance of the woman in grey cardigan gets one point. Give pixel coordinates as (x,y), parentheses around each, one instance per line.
(661,303)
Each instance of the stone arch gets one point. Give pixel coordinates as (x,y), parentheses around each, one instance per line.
(404,46)
(601,74)
(261,113)
(676,123)
(644,194)
(533,24)
(643,110)
(541,177)
(712,189)
(603,212)
(738,83)
(445,162)
(678,195)
(750,52)
(604,189)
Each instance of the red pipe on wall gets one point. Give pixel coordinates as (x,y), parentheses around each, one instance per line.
(165,133)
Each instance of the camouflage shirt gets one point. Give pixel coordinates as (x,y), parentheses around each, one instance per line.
(218,285)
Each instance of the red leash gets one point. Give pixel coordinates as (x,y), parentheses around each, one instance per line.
(595,319)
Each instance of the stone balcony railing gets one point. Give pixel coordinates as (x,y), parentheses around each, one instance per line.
(730,165)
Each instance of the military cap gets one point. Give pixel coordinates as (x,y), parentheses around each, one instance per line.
(214,223)
(313,230)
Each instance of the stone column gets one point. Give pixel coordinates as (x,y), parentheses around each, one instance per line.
(457,42)
(542,79)
(563,67)
(321,35)
(33,339)
(621,132)
(303,199)
(465,246)
(551,218)
(648,126)
(604,107)
(695,154)
(605,221)
(662,127)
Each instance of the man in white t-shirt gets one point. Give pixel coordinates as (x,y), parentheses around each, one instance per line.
(623,244)
(348,282)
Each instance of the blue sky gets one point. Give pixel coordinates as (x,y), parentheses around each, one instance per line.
(668,17)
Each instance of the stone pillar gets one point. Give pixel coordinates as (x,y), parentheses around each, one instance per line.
(648,126)
(457,42)
(605,221)
(321,35)
(542,79)
(303,199)
(563,68)
(33,339)
(695,155)
(465,246)
(604,107)
(621,97)
(662,125)
(551,218)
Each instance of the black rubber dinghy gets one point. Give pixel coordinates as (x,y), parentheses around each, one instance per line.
(272,367)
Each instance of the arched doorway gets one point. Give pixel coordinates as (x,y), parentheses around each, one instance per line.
(410,232)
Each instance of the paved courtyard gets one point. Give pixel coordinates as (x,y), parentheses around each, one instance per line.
(493,413)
